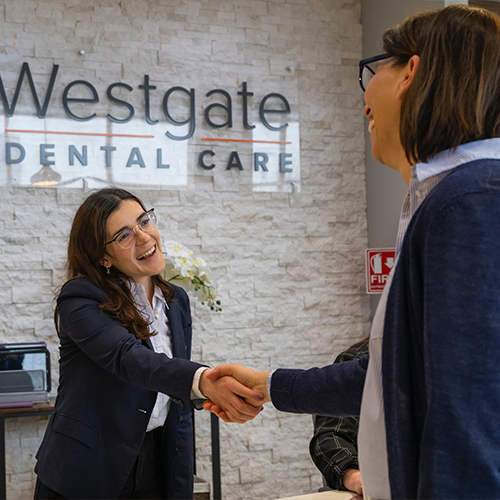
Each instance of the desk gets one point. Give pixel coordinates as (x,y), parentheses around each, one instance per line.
(37,410)
(326,495)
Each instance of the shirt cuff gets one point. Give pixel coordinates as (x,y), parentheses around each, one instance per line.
(195,388)
(268,384)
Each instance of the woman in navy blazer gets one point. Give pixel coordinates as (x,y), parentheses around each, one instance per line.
(106,438)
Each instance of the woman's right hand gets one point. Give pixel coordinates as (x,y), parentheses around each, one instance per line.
(253,381)
(229,399)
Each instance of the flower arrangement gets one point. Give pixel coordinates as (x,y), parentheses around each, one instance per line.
(190,272)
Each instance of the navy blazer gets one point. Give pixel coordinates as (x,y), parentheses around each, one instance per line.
(108,383)
(440,352)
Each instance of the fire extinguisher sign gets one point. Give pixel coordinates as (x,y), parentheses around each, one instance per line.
(379,262)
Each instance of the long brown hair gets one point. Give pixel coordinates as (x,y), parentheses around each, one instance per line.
(455,95)
(85,250)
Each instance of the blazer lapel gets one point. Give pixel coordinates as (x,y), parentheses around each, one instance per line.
(176,331)
(147,343)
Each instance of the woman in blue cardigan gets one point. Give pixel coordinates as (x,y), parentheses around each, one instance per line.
(429,397)
(122,424)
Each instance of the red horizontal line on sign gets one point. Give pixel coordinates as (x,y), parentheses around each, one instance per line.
(243,140)
(77,133)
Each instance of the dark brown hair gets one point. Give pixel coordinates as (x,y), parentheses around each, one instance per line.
(455,95)
(86,248)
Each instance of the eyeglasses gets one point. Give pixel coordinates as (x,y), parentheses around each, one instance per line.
(128,237)
(365,72)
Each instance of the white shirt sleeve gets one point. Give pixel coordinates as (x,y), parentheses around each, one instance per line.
(195,388)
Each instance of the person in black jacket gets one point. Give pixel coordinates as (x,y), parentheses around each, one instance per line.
(334,447)
(122,424)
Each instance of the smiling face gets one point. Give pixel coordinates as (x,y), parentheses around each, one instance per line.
(145,258)
(383,108)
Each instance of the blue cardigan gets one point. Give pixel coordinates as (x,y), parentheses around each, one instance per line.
(108,384)
(441,348)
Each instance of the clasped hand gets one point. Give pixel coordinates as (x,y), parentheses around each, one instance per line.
(235,393)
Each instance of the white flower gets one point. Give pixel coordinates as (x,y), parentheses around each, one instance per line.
(181,261)
(190,272)
(203,274)
(174,249)
(199,262)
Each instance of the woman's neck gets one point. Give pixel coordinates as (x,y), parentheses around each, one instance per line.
(149,288)
(406,173)
(402,164)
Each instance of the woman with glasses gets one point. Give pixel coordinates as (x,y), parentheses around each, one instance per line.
(429,396)
(122,424)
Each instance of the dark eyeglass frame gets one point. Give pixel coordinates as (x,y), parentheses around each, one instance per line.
(364,63)
(149,213)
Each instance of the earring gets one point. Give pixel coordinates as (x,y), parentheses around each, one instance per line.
(107,270)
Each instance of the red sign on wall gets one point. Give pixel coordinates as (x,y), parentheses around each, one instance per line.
(379,262)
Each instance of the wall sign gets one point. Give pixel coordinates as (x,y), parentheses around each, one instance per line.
(379,262)
(144,135)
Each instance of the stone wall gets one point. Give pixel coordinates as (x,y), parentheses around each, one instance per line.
(290,265)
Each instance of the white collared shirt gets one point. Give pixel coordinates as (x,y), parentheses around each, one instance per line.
(162,342)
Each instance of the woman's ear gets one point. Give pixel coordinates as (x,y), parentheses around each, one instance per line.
(105,262)
(409,74)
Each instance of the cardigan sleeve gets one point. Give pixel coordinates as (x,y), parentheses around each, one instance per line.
(334,390)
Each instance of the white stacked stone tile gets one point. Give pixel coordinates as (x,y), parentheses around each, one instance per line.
(290,265)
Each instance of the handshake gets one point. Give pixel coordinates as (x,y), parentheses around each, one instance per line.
(235,393)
